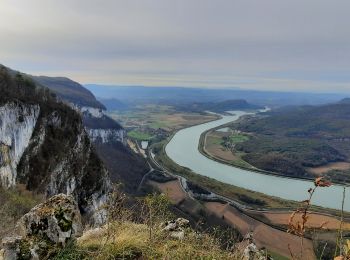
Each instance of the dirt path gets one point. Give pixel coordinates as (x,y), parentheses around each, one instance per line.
(264,235)
(314,221)
(172,189)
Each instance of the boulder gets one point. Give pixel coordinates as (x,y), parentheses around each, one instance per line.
(48,225)
(251,251)
(176,228)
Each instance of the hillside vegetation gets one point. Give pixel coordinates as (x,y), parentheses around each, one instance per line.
(69,90)
(59,149)
(219,107)
(292,141)
(15,202)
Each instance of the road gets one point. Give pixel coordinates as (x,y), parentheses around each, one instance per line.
(234,203)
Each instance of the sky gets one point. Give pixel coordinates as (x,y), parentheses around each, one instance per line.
(285,45)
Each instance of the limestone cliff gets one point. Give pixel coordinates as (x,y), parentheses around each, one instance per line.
(17,123)
(44,145)
(100,127)
(107,136)
(109,139)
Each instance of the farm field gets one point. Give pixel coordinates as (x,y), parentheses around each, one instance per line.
(214,145)
(159,117)
(264,233)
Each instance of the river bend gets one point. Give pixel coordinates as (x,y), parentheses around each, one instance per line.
(183,149)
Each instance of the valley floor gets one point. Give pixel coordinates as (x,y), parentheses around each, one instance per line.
(267,226)
(270,233)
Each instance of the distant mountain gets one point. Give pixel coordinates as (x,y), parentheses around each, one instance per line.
(345,101)
(69,90)
(185,95)
(65,88)
(223,106)
(113,104)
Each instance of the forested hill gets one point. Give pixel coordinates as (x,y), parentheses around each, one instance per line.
(293,140)
(327,121)
(69,90)
(219,107)
(65,88)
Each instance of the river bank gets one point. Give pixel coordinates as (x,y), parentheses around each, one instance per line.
(269,221)
(202,149)
(268,229)
(237,194)
(182,149)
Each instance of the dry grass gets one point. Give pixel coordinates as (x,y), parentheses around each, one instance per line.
(342,166)
(172,189)
(131,241)
(141,236)
(264,235)
(298,225)
(14,203)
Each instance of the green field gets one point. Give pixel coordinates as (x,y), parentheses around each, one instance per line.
(150,115)
(213,140)
(294,141)
(141,136)
(238,138)
(159,116)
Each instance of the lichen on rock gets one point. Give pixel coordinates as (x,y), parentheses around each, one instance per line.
(58,219)
(48,225)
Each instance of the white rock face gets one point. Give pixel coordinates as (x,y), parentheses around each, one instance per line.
(101,135)
(17,123)
(92,111)
(98,209)
(107,135)
(95,112)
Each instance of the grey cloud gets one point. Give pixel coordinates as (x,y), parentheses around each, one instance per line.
(254,44)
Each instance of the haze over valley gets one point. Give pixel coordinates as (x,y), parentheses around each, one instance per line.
(164,129)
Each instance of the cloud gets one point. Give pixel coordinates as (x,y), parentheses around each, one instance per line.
(271,44)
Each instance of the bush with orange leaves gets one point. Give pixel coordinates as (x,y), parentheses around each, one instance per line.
(298,227)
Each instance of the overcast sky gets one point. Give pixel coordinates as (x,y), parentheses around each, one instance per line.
(255,44)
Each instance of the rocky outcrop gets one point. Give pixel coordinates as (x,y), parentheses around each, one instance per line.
(72,168)
(251,251)
(107,136)
(47,226)
(17,123)
(109,140)
(57,219)
(176,228)
(44,145)
(101,128)
(93,111)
